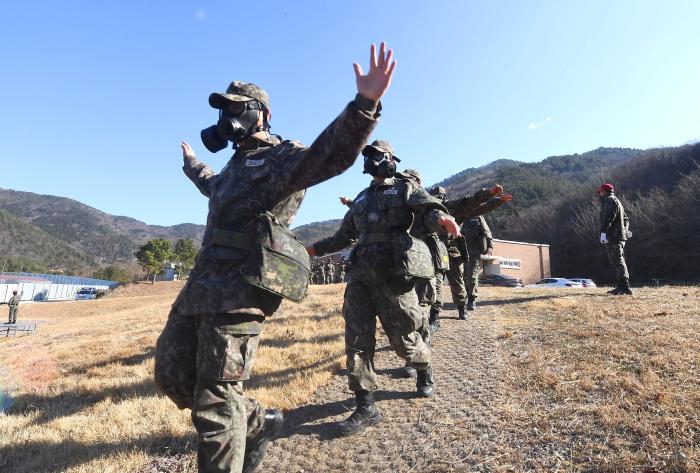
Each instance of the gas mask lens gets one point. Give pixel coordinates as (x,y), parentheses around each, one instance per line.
(237,121)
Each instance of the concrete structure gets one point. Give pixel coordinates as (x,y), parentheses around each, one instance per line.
(527,261)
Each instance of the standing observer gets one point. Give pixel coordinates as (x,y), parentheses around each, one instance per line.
(477,236)
(14,307)
(614,232)
(211,337)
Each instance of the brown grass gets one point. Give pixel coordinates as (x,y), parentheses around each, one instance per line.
(81,394)
(603,383)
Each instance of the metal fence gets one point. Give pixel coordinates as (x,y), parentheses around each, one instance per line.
(47,287)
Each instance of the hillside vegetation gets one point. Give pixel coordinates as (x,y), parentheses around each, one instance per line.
(93,235)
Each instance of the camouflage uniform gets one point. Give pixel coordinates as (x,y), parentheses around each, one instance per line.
(210,339)
(614,223)
(330,272)
(463,209)
(379,219)
(479,240)
(341,272)
(14,308)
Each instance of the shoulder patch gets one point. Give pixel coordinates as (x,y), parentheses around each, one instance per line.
(360,198)
(251,163)
(391,192)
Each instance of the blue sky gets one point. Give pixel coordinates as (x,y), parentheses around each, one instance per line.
(96,96)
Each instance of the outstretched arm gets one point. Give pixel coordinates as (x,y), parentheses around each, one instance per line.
(198,172)
(343,238)
(337,147)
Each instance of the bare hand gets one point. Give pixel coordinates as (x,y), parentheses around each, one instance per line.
(448,224)
(496,190)
(187,151)
(311,250)
(345,201)
(381,69)
(506,197)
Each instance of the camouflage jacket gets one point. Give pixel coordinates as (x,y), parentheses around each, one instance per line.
(14,301)
(465,208)
(380,218)
(478,236)
(271,177)
(613,220)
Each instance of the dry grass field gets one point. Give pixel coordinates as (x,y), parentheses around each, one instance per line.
(593,382)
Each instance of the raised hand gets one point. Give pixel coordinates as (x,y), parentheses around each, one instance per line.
(187,151)
(381,69)
(506,197)
(345,201)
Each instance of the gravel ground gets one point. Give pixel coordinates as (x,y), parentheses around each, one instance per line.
(457,430)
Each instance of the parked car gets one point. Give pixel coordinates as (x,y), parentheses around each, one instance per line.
(584,281)
(85,293)
(556,282)
(502,280)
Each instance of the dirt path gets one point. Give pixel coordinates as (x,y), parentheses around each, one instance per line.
(457,430)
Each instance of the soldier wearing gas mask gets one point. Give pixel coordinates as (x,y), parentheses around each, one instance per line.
(385,264)
(209,342)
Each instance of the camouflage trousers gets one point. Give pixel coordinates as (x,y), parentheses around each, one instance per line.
(455,277)
(436,306)
(200,363)
(403,322)
(12,317)
(471,275)
(616,258)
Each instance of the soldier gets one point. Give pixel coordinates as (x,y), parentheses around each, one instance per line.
(14,307)
(321,273)
(341,270)
(479,240)
(384,265)
(464,208)
(614,232)
(330,271)
(210,339)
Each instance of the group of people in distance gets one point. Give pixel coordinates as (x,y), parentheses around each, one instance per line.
(404,238)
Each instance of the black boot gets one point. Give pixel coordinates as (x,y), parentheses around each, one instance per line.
(460,310)
(434,319)
(625,288)
(618,288)
(407,372)
(366,414)
(471,303)
(425,384)
(256,447)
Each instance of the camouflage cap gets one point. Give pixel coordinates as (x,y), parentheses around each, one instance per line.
(383,147)
(238,91)
(413,173)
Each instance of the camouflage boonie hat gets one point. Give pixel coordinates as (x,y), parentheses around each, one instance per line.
(381,146)
(239,91)
(413,173)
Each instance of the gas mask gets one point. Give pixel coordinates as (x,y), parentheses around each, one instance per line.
(237,121)
(379,163)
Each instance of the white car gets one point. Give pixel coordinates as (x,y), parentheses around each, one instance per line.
(584,281)
(556,282)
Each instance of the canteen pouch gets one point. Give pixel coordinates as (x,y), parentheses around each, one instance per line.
(278,262)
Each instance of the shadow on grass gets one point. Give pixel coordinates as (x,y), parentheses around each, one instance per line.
(285,343)
(41,456)
(282,377)
(299,421)
(513,300)
(67,403)
(132,360)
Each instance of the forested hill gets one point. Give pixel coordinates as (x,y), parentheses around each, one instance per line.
(555,203)
(83,236)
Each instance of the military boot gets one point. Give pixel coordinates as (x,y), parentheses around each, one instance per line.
(471,304)
(434,320)
(460,310)
(616,291)
(407,371)
(365,415)
(425,384)
(625,289)
(256,447)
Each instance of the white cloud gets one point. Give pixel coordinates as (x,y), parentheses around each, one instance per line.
(200,15)
(535,126)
